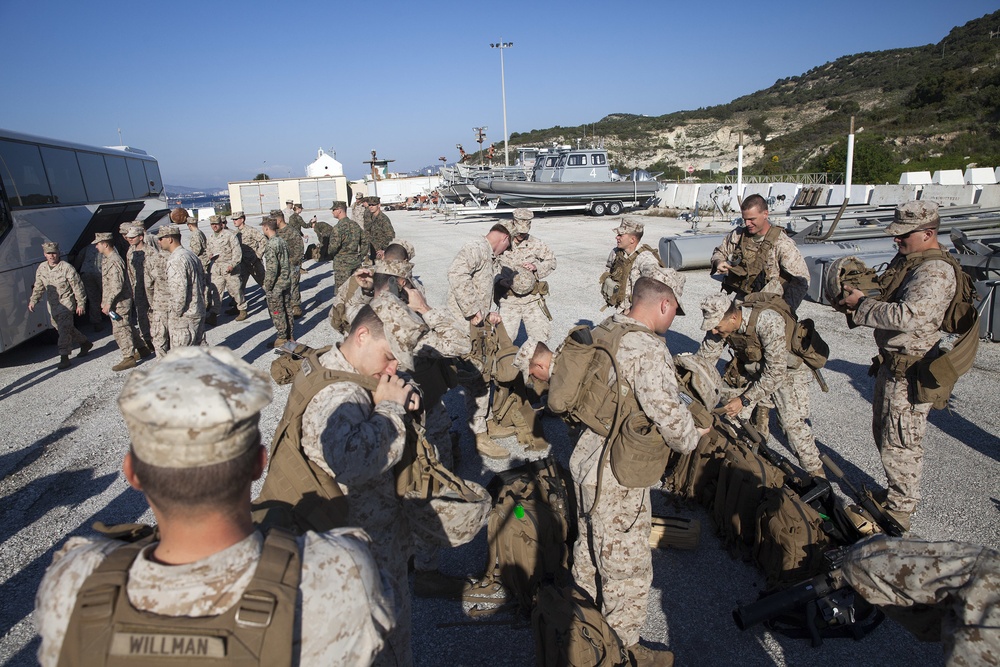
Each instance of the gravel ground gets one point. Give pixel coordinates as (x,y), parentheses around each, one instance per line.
(63,440)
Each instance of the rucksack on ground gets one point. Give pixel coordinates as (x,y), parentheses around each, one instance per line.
(570,631)
(743,478)
(790,539)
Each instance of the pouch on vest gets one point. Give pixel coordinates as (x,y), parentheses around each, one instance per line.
(259,629)
(638,453)
(746,273)
(570,631)
(790,540)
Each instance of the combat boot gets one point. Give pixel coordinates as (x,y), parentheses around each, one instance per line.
(901,517)
(211,320)
(63,361)
(232,310)
(499,430)
(242,316)
(486,447)
(643,656)
(144,351)
(124,364)
(296,311)
(85,348)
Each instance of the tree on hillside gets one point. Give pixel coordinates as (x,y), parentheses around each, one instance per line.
(262,177)
(873,162)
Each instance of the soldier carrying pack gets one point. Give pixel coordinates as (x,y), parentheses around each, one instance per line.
(615,279)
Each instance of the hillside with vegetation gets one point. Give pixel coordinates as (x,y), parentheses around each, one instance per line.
(921,108)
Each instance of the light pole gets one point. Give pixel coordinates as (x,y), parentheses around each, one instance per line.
(503,91)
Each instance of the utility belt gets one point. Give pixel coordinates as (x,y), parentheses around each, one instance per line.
(897,363)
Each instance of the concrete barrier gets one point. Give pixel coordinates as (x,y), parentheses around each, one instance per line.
(860,194)
(666,194)
(892,195)
(980,176)
(915,178)
(989,196)
(686,195)
(948,177)
(709,193)
(786,190)
(949,195)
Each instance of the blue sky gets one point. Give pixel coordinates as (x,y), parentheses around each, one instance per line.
(219,89)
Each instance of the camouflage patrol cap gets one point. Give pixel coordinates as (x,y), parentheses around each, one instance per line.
(238,214)
(374,200)
(411,252)
(912,216)
(103,236)
(522,360)
(394,267)
(288,201)
(342,205)
(50,246)
(197,407)
(214,220)
(629,227)
(135,231)
(276,214)
(403,328)
(192,221)
(297,205)
(167,230)
(522,221)
(523,214)
(524,281)
(713,309)
(124,227)
(669,277)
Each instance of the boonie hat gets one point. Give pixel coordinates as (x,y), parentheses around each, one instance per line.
(669,277)
(912,216)
(713,309)
(50,246)
(197,407)
(167,230)
(629,227)
(103,236)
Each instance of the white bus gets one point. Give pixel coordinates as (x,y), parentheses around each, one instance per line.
(63,192)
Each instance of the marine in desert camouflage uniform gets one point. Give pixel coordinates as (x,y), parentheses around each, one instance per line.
(252,243)
(226,257)
(620,524)
(293,239)
(186,290)
(784,270)
(135,264)
(158,296)
(345,247)
(471,279)
(65,293)
(628,234)
(908,327)
(356,437)
(277,279)
(960,580)
(198,244)
(117,299)
(529,261)
(779,377)
(88,265)
(360,213)
(378,229)
(205,559)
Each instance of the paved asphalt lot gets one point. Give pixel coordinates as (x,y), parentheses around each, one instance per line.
(63,439)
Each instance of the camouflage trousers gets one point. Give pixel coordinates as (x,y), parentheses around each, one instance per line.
(477,401)
(957,578)
(611,556)
(185,330)
(280,307)
(515,309)
(94,287)
(142,321)
(437,424)
(342,273)
(225,282)
(322,245)
(791,402)
(69,336)
(123,331)
(899,427)
(293,287)
(251,267)
(158,332)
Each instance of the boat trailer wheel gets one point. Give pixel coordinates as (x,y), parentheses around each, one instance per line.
(598,208)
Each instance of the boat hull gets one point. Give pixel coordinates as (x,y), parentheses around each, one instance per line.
(531,193)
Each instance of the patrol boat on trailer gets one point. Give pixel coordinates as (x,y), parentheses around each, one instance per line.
(571,176)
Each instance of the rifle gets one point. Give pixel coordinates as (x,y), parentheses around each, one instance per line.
(867,501)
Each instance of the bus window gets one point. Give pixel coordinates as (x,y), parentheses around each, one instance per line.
(153,178)
(120,184)
(64,176)
(140,186)
(23,175)
(95,177)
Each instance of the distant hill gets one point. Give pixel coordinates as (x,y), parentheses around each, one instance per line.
(185,190)
(928,107)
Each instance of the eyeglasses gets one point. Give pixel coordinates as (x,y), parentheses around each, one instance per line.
(903,237)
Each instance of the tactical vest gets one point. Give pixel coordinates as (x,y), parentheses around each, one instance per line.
(614,283)
(105,629)
(746,272)
(934,377)
(298,494)
(801,337)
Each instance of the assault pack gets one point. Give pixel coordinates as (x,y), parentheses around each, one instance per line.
(105,629)
(614,281)
(801,337)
